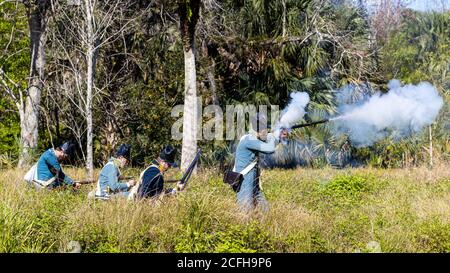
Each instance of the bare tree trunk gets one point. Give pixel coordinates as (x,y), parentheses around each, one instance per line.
(189,147)
(90,55)
(89,133)
(189,14)
(29,110)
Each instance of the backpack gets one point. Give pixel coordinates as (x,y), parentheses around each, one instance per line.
(234,179)
(31,178)
(31,174)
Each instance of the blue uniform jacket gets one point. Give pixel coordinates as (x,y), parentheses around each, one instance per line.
(152,182)
(248,148)
(49,167)
(109,177)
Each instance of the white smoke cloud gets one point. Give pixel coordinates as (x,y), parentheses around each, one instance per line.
(293,112)
(295,109)
(402,111)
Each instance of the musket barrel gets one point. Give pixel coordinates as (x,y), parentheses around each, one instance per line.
(172,181)
(125,177)
(82,182)
(309,124)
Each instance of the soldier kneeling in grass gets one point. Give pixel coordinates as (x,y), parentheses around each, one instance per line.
(108,183)
(47,172)
(151,182)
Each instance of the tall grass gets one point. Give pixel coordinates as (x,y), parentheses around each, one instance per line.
(311,210)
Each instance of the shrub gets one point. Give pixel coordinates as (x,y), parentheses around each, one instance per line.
(345,188)
(434,236)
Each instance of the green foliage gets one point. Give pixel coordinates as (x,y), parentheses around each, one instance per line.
(246,49)
(14,61)
(345,187)
(94,238)
(416,52)
(249,238)
(433,235)
(403,210)
(20,233)
(15,58)
(18,237)
(150,137)
(419,50)
(9,128)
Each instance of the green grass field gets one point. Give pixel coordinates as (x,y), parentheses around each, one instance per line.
(311,210)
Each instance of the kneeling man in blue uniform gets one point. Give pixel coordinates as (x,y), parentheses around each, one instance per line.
(108,183)
(48,171)
(152,178)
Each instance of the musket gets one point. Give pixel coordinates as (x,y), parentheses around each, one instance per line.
(189,170)
(309,124)
(125,177)
(83,182)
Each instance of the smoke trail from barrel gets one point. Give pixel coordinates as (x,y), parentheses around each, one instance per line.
(295,109)
(293,112)
(401,112)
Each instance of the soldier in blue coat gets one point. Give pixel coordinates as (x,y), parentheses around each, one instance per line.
(49,173)
(108,183)
(250,146)
(152,180)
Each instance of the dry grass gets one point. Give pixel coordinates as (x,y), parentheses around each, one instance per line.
(311,210)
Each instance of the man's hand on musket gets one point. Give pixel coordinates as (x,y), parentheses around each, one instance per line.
(76,185)
(284,134)
(131,183)
(180,186)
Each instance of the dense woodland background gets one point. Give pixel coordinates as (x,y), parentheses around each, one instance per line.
(127,66)
(102,73)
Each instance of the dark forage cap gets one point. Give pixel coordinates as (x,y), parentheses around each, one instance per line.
(168,154)
(124,150)
(67,147)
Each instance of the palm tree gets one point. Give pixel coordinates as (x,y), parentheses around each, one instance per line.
(189,11)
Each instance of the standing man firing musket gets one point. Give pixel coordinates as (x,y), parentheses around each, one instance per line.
(108,183)
(47,172)
(249,192)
